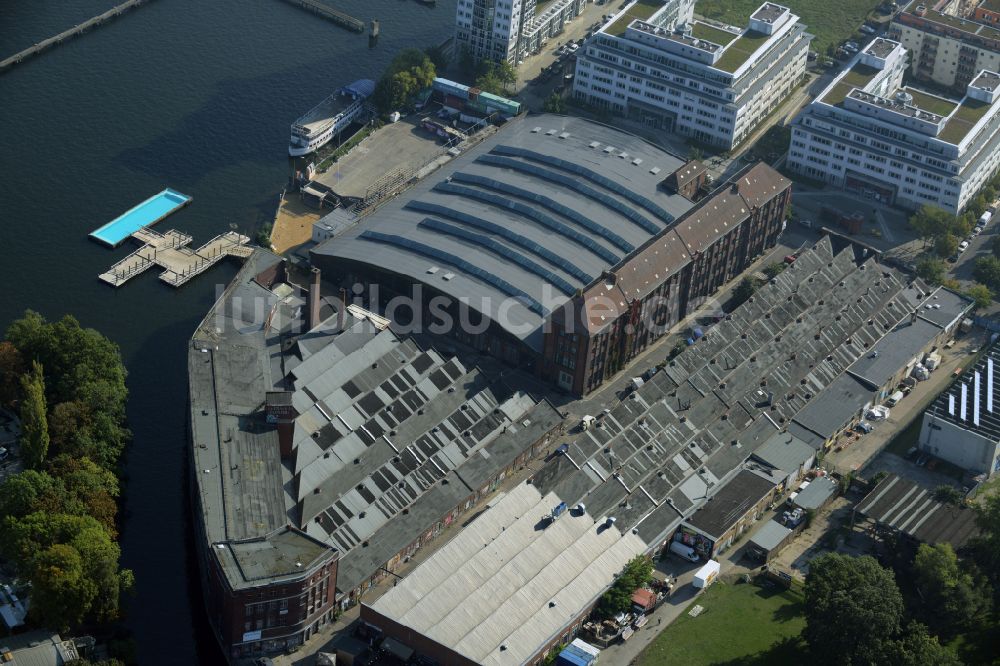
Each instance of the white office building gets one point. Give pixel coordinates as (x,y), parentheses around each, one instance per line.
(714,83)
(871,135)
(509,30)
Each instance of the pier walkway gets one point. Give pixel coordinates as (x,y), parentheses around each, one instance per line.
(114,12)
(170,252)
(331,14)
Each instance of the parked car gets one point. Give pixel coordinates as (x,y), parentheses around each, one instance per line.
(867,30)
(963,246)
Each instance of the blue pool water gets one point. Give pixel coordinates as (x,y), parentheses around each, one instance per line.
(149,212)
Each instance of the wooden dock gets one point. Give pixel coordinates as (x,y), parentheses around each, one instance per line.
(31,51)
(331,14)
(170,252)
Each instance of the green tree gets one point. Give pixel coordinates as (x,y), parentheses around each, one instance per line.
(29,492)
(987,271)
(12,366)
(953,599)
(774,269)
(930,222)
(744,290)
(506,74)
(489,79)
(438,56)
(554,103)
(409,72)
(61,594)
(916,647)
(852,607)
(637,573)
(980,295)
(945,245)
(23,539)
(34,425)
(931,270)
(986,545)
(80,363)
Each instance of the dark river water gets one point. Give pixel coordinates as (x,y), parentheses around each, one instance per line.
(196,95)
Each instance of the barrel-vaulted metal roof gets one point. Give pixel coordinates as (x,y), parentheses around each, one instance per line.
(528,217)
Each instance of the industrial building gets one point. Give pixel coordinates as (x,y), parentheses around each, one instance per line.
(962,426)
(468,605)
(676,452)
(557,246)
(948,50)
(727,514)
(715,83)
(898,505)
(897,144)
(326,450)
(509,30)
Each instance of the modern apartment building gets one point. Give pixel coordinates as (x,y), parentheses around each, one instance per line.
(509,30)
(714,83)
(870,134)
(945,49)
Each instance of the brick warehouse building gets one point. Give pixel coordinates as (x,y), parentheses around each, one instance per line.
(555,220)
(325,452)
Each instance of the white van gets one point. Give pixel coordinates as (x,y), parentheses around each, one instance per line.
(683,551)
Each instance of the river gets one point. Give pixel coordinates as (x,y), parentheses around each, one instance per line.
(196,95)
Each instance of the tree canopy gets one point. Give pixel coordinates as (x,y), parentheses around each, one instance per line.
(554,103)
(987,271)
(58,518)
(409,72)
(931,270)
(954,596)
(637,573)
(34,423)
(916,647)
(980,294)
(852,607)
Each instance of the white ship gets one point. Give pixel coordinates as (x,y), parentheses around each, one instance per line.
(329,118)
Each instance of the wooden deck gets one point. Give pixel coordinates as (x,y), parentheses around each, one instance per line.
(35,49)
(170,252)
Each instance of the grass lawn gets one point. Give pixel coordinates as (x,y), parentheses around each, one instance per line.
(831,22)
(741,50)
(741,623)
(931,103)
(964,119)
(711,34)
(642,10)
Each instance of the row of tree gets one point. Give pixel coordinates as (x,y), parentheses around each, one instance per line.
(944,232)
(618,599)
(414,70)
(58,518)
(859,612)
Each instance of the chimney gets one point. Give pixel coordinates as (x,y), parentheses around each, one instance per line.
(735,189)
(315,299)
(280,412)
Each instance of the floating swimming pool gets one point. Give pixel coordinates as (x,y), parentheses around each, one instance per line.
(148,213)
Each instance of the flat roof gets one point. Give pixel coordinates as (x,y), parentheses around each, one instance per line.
(785,451)
(904,343)
(730,504)
(510,581)
(640,9)
(771,535)
(966,25)
(881,47)
(527,217)
(816,493)
(739,51)
(836,405)
(906,506)
(963,119)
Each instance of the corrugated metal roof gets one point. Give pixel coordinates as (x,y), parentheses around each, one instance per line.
(510,579)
